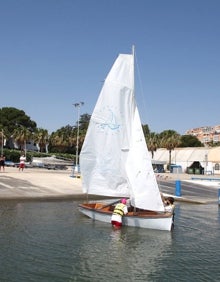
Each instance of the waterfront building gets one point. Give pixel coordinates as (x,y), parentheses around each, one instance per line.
(193,160)
(206,134)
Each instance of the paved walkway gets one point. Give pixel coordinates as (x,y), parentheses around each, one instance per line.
(34,183)
(200,189)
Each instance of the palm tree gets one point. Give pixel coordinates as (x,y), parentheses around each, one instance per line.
(170,140)
(152,143)
(21,135)
(41,137)
(60,141)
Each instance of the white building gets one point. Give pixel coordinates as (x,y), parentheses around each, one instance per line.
(207,158)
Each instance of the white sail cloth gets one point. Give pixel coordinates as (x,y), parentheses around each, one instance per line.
(114,159)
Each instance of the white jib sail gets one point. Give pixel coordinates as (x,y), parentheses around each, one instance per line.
(145,191)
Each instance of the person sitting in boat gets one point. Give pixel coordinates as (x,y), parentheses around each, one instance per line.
(169,204)
(119,210)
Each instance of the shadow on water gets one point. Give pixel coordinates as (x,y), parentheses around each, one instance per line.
(52,241)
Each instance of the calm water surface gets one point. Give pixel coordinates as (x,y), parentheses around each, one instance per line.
(52,241)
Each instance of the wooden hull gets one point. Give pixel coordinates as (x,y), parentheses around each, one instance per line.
(142,219)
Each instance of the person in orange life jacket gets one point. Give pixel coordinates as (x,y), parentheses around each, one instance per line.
(119,210)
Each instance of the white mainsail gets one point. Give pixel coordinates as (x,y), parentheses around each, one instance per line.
(114,159)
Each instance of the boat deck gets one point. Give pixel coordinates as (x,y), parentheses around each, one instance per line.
(106,208)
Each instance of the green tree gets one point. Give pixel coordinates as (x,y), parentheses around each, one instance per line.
(152,143)
(189,141)
(213,144)
(2,139)
(170,140)
(84,122)
(11,119)
(62,139)
(21,135)
(65,138)
(41,138)
(146,130)
(58,143)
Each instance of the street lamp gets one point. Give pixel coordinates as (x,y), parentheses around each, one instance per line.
(77,105)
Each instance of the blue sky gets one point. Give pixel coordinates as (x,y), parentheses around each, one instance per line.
(54,53)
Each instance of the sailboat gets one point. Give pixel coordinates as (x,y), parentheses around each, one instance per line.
(115,161)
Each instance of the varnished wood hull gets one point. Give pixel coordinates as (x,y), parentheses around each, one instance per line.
(142,219)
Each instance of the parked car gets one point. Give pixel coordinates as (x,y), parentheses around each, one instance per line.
(9,163)
(56,166)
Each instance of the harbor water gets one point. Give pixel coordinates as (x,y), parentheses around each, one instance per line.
(53,242)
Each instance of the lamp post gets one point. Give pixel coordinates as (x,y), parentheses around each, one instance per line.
(78,106)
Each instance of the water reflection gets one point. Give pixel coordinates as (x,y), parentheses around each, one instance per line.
(118,235)
(54,242)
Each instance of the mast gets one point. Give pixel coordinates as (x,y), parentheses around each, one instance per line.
(133,49)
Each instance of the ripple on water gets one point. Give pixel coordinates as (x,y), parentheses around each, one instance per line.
(54,242)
